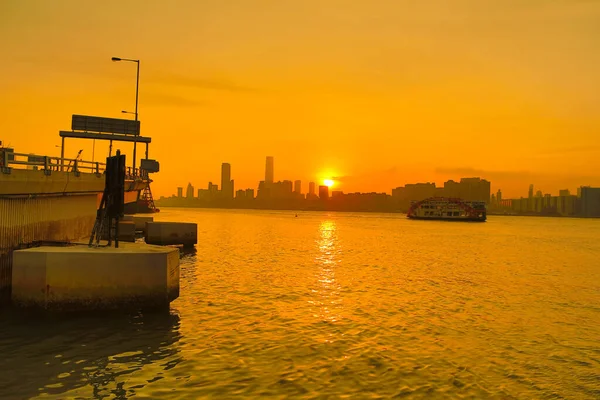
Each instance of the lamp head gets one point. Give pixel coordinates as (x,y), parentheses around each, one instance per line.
(116,59)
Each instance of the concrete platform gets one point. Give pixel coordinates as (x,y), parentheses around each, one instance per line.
(76,278)
(140,222)
(172,233)
(127,231)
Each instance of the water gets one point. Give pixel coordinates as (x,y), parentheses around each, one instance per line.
(340,305)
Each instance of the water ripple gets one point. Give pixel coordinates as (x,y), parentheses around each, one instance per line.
(340,306)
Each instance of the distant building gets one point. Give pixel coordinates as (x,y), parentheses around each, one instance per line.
(179,192)
(336,193)
(226,182)
(264,190)
(249,193)
(240,194)
(531,191)
(189,193)
(452,189)
(323,192)
(589,198)
(499,197)
(298,187)
(269,170)
(475,189)
(311,188)
(203,194)
(564,192)
(414,192)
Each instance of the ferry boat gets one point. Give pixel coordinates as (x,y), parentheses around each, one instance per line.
(448,209)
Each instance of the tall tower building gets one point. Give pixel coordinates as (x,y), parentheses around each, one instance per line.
(323,192)
(226,182)
(225,174)
(269,170)
(180,192)
(189,193)
(531,191)
(298,187)
(311,188)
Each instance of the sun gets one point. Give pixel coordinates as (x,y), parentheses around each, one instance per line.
(328,182)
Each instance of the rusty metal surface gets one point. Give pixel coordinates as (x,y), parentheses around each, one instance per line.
(24,221)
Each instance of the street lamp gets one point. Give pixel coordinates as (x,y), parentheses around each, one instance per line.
(137,85)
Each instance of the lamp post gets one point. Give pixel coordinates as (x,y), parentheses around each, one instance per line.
(137,85)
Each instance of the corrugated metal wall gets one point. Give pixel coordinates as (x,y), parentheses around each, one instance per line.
(28,220)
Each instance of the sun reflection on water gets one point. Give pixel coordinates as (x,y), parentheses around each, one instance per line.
(327,300)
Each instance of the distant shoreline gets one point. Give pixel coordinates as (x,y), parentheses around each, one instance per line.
(364,211)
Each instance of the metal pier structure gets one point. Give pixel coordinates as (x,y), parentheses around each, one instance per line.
(45,199)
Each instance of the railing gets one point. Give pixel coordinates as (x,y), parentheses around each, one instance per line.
(8,159)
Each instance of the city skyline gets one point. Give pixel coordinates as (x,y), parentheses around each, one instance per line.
(381,94)
(312,186)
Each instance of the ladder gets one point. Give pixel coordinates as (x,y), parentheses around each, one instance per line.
(147,197)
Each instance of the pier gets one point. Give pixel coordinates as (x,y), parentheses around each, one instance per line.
(47,200)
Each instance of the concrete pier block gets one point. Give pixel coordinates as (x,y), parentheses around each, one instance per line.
(172,233)
(127,231)
(140,222)
(73,278)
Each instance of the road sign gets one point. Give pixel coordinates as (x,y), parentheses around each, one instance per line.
(87,123)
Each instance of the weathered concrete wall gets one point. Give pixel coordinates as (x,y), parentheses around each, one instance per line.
(28,182)
(140,222)
(83,278)
(46,218)
(171,233)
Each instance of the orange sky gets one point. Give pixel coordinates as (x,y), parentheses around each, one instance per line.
(379,92)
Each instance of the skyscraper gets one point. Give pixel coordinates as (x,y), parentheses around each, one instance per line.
(226,182)
(323,192)
(269,170)
(189,193)
(179,192)
(311,188)
(298,187)
(225,175)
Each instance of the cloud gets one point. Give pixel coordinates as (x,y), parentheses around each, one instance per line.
(200,83)
(571,150)
(368,175)
(473,172)
(342,179)
(172,100)
(518,176)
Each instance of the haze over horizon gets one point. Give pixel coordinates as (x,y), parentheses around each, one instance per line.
(376,94)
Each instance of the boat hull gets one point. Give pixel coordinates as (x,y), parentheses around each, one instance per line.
(459,219)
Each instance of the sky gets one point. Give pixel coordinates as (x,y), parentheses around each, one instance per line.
(374,94)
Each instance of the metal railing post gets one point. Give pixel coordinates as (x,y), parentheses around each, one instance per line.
(62,155)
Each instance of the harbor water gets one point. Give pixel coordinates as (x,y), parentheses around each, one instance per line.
(339,305)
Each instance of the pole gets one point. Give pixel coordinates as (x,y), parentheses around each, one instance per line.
(137,85)
(62,155)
